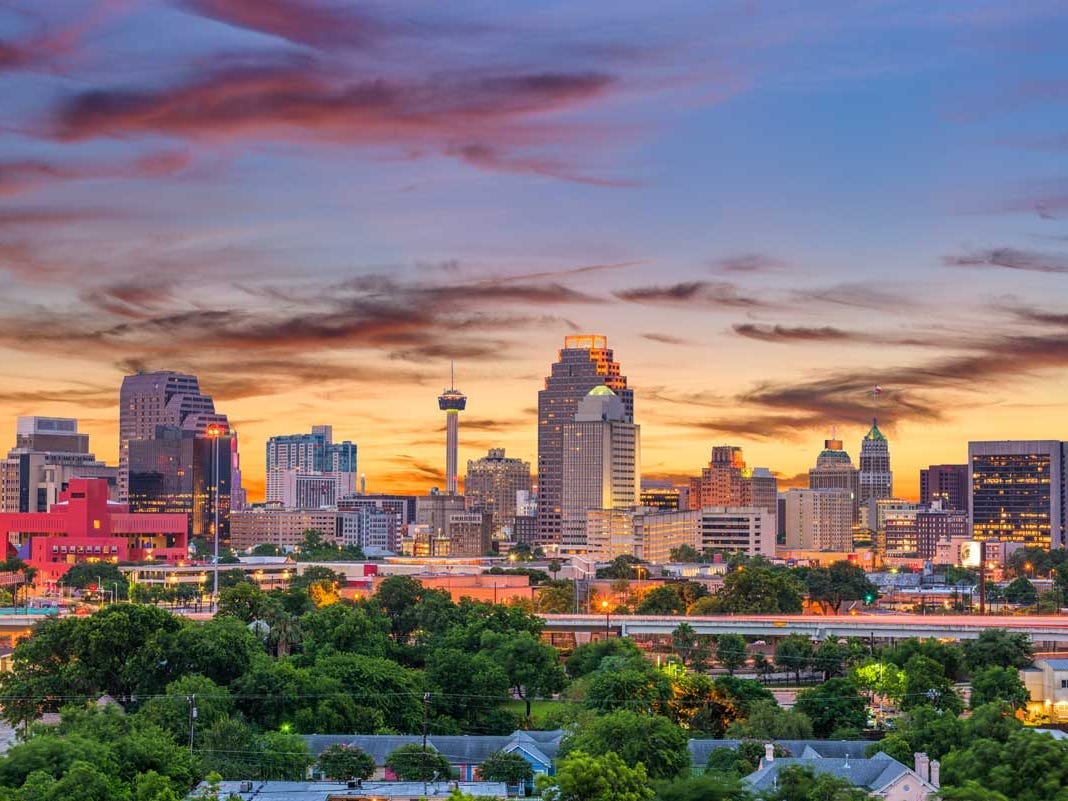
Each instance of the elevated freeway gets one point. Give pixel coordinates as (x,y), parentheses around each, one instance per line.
(1051,629)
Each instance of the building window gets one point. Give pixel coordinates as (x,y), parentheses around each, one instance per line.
(1064,684)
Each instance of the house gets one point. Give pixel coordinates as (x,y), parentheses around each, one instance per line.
(349,791)
(463,752)
(881,776)
(830,749)
(1047,682)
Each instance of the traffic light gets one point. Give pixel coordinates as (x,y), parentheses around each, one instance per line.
(869,598)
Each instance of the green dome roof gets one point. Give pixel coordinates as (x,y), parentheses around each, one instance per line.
(875,435)
(599,391)
(834,455)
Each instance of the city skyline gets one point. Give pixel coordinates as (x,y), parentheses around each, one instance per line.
(766,215)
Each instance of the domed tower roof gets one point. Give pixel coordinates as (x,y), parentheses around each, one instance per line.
(600,390)
(875,435)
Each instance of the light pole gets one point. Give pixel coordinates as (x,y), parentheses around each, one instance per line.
(213,431)
(605,609)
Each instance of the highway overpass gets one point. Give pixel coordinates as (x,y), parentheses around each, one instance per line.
(1051,629)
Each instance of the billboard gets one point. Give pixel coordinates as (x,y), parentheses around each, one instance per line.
(971,554)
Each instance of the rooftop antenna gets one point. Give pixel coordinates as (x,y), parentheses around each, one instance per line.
(452,374)
(875,393)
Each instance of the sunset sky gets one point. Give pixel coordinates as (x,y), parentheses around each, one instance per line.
(768,208)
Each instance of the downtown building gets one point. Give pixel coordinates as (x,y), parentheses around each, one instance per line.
(444,527)
(945,485)
(306,471)
(601,461)
(49,452)
(834,470)
(819,520)
(385,519)
(493,484)
(284,528)
(585,362)
(875,481)
(1017,492)
(728,481)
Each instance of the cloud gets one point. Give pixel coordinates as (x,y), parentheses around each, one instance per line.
(693,293)
(19,176)
(1011,259)
(666,339)
(749,263)
(781,333)
(858,296)
(313,24)
(490,158)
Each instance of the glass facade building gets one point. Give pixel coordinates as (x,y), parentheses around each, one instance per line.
(1017,491)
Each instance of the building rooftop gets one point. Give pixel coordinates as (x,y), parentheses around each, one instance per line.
(870,774)
(341,791)
(874,434)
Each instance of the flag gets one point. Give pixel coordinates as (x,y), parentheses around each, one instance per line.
(877,391)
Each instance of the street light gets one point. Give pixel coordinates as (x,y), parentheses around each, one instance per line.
(605,609)
(214,432)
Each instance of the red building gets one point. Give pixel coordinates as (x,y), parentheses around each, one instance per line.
(84,526)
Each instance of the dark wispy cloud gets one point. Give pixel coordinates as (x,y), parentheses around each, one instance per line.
(749,263)
(666,339)
(1011,259)
(782,333)
(18,176)
(858,296)
(707,294)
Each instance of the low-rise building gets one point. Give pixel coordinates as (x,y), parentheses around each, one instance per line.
(1047,683)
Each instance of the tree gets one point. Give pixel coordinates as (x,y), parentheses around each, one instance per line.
(466,687)
(556,598)
(999,647)
(510,768)
(1026,767)
(759,590)
(532,666)
(768,721)
(583,777)
(622,567)
(949,656)
(410,763)
(344,627)
(842,581)
(103,575)
(651,740)
(1022,592)
(743,693)
(588,657)
(835,704)
(699,706)
(244,601)
(685,553)
(631,685)
(693,649)
(731,651)
(828,659)
(662,600)
(998,685)
(926,684)
(342,763)
(793,653)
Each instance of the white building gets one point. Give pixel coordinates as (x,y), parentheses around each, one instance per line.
(744,529)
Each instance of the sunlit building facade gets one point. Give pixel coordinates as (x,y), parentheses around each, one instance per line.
(875,480)
(585,362)
(492,485)
(945,485)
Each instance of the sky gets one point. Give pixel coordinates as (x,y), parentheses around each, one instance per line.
(767,208)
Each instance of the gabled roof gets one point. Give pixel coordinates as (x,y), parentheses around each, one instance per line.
(457,749)
(854,749)
(872,774)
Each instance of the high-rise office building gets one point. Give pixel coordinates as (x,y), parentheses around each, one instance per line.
(741,529)
(585,362)
(722,483)
(875,480)
(311,455)
(165,398)
(761,490)
(177,471)
(491,485)
(602,462)
(945,484)
(661,495)
(452,402)
(936,525)
(1017,491)
(819,519)
(834,470)
(49,452)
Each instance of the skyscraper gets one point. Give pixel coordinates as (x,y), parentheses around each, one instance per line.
(452,402)
(602,463)
(819,519)
(1017,491)
(164,398)
(585,362)
(875,481)
(491,485)
(834,470)
(727,481)
(946,484)
(297,458)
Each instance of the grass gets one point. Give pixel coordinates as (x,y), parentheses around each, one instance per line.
(538,709)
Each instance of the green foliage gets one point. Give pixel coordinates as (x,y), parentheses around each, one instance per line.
(731,651)
(949,656)
(511,768)
(342,763)
(412,763)
(829,658)
(706,787)
(693,649)
(622,567)
(832,586)
(344,627)
(926,684)
(532,666)
(555,597)
(793,653)
(583,777)
(662,600)
(758,591)
(998,685)
(1021,591)
(1026,767)
(699,706)
(102,575)
(999,648)
(588,657)
(637,686)
(743,693)
(835,704)
(651,740)
(244,601)
(317,548)
(960,575)
(768,721)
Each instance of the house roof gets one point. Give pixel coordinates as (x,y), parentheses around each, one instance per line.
(872,774)
(1056,664)
(854,749)
(457,749)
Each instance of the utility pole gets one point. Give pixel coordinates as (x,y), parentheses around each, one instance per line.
(426,703)
(982,577)
(192,719)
